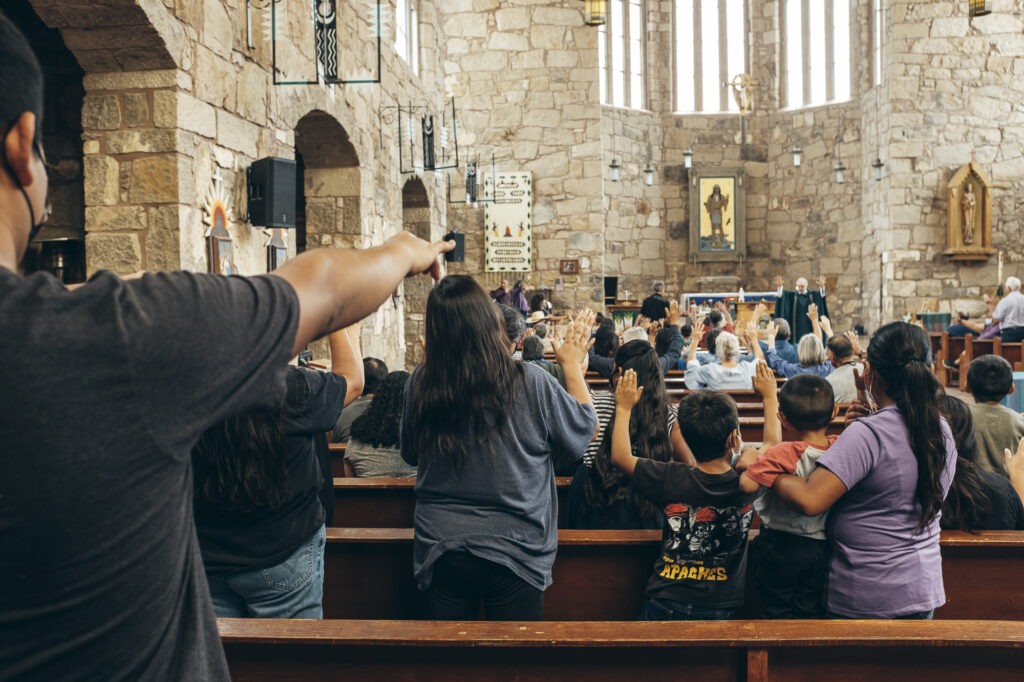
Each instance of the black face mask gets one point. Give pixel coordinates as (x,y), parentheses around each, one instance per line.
(34,227)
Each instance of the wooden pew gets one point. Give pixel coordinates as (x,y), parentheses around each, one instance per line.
(601,575)
(337,459)
(954,351)
(391,502)
(1014,354)
(261,650)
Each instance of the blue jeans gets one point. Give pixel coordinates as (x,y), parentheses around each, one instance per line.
(666,609)
(293,588)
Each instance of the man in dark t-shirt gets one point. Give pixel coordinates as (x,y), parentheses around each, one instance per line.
(104,392)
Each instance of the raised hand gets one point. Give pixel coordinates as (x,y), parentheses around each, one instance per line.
(693,312)
(423,342)
(812,312)
(673,313)
(423,256)
(861,407)
(778,280)
(573,350)
(627,393)
(1015,466)
(854,341)
(826,325)
(764,381)
(759,311)
(772,331)
(822,281)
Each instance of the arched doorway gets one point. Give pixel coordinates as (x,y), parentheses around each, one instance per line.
(415,219)
(60,246)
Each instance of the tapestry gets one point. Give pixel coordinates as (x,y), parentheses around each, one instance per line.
(508,227)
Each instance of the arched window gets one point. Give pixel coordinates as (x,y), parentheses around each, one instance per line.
(622,54)
(710,48)
(816,51)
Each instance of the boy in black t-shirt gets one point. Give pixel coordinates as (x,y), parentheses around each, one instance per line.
(700,572)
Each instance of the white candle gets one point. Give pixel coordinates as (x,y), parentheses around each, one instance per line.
(999,277)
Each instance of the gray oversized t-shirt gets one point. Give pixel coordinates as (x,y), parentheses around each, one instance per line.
(104,392)
(503,506)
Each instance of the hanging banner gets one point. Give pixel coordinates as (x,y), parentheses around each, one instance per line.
(508,223)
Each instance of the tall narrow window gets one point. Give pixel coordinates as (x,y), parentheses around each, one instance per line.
(817,51)
(710,49)
(622,54)
(876,25)
(407,33)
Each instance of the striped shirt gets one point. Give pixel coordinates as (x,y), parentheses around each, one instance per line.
(604,405)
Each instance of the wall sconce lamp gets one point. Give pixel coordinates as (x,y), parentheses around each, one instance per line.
(614,166)
(877,165)
(979,8)
(595,12)
(649,171)
(687,158)
(839,168)
(797,152)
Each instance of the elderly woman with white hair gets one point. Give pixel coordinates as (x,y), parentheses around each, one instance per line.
(729,373)
(810,353)
(1009,312)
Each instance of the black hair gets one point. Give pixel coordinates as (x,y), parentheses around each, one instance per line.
(715,317)
(533,348)
(840,347)
(537,303)
(966,506)
(898,354)
(686,330)
(374,371)
(605,341)
(515,325)
(990,378)
(807,401)
(378,426)
(606,487)
(21,79)
(518,284)
(711,339)
(467,392)
(663,340)
(707,418)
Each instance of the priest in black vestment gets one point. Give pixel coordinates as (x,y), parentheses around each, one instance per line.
(792,305)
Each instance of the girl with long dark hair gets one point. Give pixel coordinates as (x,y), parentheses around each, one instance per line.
(887,476)
(257,482)
(978,499)
(481,427)
(601,496)
(373,448)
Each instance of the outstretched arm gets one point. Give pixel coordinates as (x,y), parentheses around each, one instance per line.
(347,360)
(812,495)
(337,287)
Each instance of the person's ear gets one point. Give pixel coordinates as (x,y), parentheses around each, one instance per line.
(782,420)
(835,411)
(19,148)
(1013,388)
(734,440)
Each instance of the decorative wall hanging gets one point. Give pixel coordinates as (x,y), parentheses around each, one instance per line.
(472,197)
(319,35)
(419,122)
(277,249)
(969,214)
(508,223)
(718,230)
(216,215)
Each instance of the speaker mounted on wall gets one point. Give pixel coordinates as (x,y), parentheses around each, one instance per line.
(271,183)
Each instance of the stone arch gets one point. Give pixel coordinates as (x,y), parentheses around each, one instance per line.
(330,203)
(415,219)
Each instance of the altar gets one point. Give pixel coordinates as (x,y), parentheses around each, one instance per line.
(742,311)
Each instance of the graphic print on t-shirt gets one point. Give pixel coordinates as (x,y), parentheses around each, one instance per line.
(702,539)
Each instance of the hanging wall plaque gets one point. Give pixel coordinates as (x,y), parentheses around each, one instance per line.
(508,223)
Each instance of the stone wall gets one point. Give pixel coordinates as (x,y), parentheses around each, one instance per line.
(524,73)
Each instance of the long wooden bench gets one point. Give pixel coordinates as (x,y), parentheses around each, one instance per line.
(732,651)
(391,502)
(600,575)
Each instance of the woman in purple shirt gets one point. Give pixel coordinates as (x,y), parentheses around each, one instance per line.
(886,476)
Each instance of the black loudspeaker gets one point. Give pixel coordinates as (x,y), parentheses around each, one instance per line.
(272,192)
(458,254)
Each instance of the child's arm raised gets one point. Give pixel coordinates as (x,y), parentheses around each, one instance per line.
(768,388)
(627,395)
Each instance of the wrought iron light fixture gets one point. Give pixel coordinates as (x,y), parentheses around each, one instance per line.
(649,170)
(595,12)
(839,168)
(979,8)
(325,44)
(877,165)
(473,198)
(687,158)
(614,167)
(797,155)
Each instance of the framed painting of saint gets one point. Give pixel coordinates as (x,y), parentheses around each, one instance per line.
(718,230)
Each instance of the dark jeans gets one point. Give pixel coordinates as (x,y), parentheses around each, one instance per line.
(461,580)
(923,615)
(1012,335)
(666,609)
(790,573)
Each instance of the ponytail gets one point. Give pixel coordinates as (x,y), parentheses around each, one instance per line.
(898,353)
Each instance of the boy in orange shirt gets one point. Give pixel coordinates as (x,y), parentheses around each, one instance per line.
(790,554)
